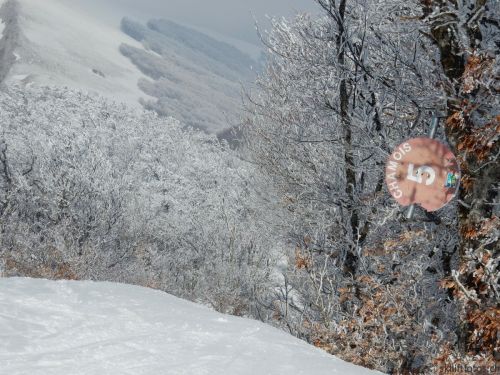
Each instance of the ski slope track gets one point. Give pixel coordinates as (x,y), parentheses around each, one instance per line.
(9,36)
(83,327)
(50,43)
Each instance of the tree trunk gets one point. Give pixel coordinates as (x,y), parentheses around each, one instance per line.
(350,173)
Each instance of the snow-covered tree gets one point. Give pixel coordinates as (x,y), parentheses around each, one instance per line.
(340,91)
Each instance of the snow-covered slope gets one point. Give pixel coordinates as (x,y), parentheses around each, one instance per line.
(70,328)
(60,45)
(65,43)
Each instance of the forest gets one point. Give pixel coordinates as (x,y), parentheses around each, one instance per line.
(295,227)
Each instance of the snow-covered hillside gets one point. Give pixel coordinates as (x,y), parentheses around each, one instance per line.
(57,44)
(65,43)
(67,327)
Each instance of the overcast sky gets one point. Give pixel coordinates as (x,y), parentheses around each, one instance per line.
(229,17)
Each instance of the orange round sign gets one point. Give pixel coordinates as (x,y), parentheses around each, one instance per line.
(423,171)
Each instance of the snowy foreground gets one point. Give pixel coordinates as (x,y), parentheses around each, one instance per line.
(66,327)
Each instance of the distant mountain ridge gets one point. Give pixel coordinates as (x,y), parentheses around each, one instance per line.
(193,76)
(222,52)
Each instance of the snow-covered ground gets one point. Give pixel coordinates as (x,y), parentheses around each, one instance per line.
(70,328)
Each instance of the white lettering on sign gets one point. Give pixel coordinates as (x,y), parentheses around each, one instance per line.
(418,175)
(402,151)
(393,185)
(392,168)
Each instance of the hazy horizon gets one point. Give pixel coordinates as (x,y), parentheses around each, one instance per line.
(232,18)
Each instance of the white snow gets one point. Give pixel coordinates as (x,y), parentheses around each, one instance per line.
(68,327)
(61,45)
(20,77)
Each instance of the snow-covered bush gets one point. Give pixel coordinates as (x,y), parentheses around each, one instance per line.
(94,190)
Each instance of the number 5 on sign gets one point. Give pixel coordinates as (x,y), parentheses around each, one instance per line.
(418,175)
(422,171)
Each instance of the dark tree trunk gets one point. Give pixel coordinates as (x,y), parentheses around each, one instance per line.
(350,173)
